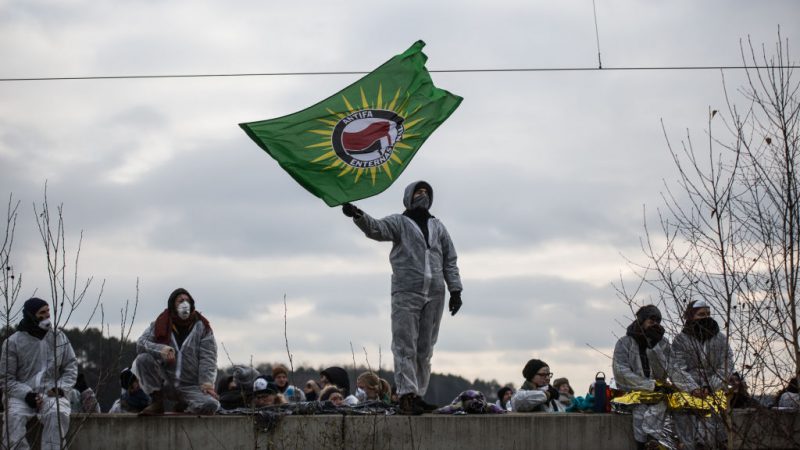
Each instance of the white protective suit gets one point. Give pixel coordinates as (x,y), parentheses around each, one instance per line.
(195,364)
(535,400)
(420,271)
(28,365)
(629,376)
(696,364)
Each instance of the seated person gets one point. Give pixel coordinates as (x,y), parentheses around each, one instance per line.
(536,394)
(372,388)
(311,390)
(565,393)
(236,390)
(338,377)
(178,359)
(265,393)
(132,399)
(333,395)
(82,398)
(280,375)
(504,397)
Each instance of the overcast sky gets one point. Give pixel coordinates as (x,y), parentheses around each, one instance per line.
(540,177)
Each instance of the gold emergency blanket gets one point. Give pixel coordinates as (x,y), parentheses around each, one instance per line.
(678,401)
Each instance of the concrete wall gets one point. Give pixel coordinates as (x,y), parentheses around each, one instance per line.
(512,431)
(757,430)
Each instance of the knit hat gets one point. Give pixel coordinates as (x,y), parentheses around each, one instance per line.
(502,392)
(532,367)
(648,312)
(280,368)
(339,377)
(559,381)
(33,305)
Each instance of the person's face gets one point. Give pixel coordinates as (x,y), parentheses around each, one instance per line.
(734,381)
(232,385)
(43,313)
(421,191)
(281,379)
(264,400)
(564,388)
(649,322)
(134,386)
(323,380)
(336,398)
(542,377)
(702,313)
(507,396)
(308,388)
(180,299)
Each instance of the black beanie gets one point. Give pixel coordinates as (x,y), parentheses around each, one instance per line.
(32,306)
(532,367)
(647,312)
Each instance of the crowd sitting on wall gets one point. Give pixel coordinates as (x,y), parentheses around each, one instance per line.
(176,370)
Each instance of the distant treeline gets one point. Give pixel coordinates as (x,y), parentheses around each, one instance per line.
(102,358)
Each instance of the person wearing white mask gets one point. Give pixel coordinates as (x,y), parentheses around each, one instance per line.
(178,359)
(37,372)
(424,262)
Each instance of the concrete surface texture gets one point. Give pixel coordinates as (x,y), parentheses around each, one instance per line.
(756,430)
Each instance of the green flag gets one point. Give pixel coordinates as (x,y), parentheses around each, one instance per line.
(355,143)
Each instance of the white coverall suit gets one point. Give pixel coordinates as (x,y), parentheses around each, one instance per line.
(29,364)
(420,271)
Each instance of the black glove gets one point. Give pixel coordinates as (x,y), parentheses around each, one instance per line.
(350,210)
(455,302)
(552,392)
(30,399)
(654,335)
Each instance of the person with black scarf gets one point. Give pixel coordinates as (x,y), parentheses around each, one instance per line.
(641,358)
(702,362)
(178,359)
(424,262)
(27,369)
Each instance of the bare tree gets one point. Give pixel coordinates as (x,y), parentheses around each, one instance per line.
(729,230)
(10,285)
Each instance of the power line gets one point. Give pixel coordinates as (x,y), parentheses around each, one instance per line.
(361,72)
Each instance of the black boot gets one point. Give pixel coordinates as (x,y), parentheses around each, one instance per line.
(409,405)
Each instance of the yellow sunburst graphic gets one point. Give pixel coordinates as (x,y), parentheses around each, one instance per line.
(384,152)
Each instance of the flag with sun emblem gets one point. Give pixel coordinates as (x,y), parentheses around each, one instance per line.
(355,143)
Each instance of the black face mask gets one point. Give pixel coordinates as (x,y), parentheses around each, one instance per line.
(703,329)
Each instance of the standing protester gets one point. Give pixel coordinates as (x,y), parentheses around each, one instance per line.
(37,372)
(641,359)
(702,362)
(423,261)
(178,359)
(536,394)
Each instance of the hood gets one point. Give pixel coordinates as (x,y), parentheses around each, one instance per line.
(339,377)
(410,192)
(174,295)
